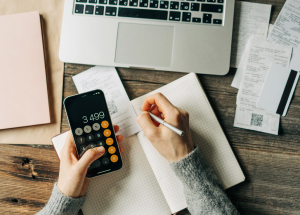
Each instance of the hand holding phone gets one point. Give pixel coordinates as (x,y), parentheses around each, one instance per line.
(91,126)
(72,181)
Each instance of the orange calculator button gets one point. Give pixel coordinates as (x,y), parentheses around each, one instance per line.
(111,150)
(107,132)
(114,158)
(109,141)
(104,124)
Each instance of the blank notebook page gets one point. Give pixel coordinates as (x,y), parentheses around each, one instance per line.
(207,134)
(130,190)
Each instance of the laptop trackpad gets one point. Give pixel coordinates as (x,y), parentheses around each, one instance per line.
(148,45)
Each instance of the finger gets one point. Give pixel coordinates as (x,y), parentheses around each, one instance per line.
(119,138)
(68,149)
(121,149)
(147,125)
(89,157)
(116,128)
(154,110)
(163,104)
(155,123)
(184,113)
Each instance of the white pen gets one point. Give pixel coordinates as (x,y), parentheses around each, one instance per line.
(159,120)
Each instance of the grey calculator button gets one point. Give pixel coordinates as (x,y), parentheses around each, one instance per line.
(93,145)
(87,129)
(89,137)
(80,140)
(105,153)
(78,131)
(98,135)
(100,143)
(95,164)
(105,160)
(82,148)
(96,126)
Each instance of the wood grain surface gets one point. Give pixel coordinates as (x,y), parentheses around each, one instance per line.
(271,163)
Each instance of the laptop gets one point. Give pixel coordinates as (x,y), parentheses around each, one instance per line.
(180,36)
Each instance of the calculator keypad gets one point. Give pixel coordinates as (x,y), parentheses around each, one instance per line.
(96,135)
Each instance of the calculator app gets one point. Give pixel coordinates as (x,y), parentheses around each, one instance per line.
(91,127)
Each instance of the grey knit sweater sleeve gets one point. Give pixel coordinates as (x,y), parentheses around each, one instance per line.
(59,204)
(203,191)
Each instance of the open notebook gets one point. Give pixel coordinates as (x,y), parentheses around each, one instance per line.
(146,183)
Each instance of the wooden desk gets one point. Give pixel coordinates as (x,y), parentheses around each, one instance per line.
(271,163)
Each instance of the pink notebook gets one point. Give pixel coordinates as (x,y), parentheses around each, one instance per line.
(23,84)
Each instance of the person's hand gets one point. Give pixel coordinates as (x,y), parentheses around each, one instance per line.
(72,181)
(169,144)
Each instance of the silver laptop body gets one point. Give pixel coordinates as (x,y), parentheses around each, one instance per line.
(183,36)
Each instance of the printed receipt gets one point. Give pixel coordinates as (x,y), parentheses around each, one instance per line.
(239,74)
(120,108)
(250,19)
(258,59)
(286,30)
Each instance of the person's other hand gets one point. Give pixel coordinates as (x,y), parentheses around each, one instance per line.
(72,181)
(169,144)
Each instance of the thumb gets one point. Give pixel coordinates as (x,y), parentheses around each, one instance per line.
(89,157)
(147,125)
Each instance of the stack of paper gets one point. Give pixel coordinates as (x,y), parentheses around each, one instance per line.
(249,19)
(258,57)
(268,73)
(23,85)
(52,12)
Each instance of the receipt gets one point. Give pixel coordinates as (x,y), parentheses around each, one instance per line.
(271,26)
(248,116)
(258,59)
(239,74)
(286,30)
(120,108)
(249,19)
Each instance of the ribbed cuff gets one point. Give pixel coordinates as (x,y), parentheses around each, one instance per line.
(189,166)
(61,204)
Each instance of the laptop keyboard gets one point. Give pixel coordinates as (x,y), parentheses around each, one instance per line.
(209,12)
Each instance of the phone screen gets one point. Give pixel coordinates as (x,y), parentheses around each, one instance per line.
(91,127)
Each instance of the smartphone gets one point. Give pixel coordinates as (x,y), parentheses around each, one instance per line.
(91,126)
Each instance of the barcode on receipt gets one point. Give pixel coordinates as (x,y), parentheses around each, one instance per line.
(257,119)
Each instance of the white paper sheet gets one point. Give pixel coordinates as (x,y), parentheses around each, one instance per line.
(286,30)
(271,26)
(120,108)
(295,61)
(272,96)
(239,74)
(250,117)
(249,19)
(259,58)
